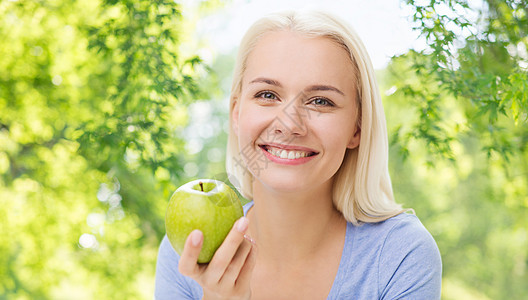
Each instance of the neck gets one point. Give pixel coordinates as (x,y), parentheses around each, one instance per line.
(293,226)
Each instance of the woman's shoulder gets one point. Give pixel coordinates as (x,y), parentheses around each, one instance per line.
(396,236)
(405,233)
(412,265)
(169,283)
(409,234)
(401,226)
(393,259)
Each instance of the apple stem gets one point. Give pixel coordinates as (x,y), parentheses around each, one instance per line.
(201,185)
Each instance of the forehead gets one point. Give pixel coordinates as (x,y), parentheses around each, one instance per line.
(289,56)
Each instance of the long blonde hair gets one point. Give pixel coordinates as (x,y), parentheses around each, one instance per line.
(362,189)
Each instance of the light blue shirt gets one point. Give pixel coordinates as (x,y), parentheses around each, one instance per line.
(393,259)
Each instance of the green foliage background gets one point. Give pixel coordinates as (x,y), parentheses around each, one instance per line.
(105,109)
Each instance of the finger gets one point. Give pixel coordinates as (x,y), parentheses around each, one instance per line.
(224,255)
(233,269)
(244,275)
(188,264)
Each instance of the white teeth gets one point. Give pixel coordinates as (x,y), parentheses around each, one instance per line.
(284,154)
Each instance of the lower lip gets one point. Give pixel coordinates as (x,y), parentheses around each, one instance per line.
(285,161)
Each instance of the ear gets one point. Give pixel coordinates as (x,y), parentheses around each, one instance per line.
(234,116)
(354,141)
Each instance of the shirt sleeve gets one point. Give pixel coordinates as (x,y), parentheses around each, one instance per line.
(410,266)
(170,284)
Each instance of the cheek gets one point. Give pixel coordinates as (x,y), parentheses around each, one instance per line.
(333,133)
(253,121)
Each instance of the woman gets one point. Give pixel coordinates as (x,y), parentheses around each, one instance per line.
(308,143)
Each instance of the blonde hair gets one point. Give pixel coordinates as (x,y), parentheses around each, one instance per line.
(362,189)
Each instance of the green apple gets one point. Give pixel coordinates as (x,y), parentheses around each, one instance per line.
(205,204)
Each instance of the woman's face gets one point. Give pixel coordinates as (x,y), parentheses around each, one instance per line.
(297,111)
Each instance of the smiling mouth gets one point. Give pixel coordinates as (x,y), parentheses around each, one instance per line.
(287,154)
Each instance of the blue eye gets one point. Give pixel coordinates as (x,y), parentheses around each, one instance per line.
(266,95)
(321,102)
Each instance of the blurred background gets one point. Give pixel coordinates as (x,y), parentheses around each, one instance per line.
(107,106)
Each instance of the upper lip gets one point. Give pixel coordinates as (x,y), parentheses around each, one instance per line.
(289,147)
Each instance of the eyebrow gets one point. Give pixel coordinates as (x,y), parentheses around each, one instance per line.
(312,88)
(266,80)
(324,88)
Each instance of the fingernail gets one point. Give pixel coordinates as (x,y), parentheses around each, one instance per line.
(242,224)
(196,238)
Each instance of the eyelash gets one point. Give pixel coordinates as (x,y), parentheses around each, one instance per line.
(329,103)
(261,94)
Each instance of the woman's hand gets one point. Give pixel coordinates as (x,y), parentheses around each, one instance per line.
(228,274)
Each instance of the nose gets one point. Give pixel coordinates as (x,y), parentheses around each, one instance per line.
(292,119)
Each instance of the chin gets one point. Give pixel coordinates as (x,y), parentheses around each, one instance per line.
(284,183)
